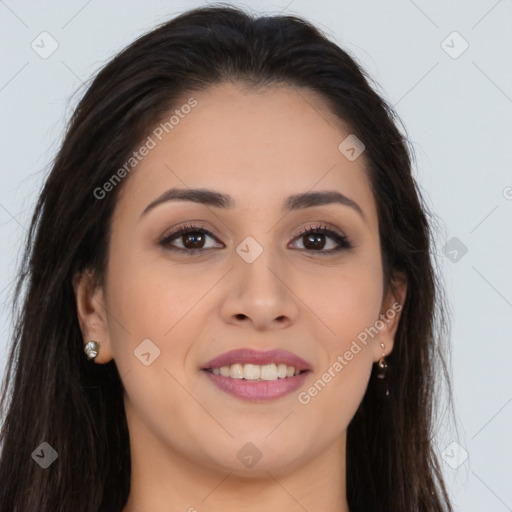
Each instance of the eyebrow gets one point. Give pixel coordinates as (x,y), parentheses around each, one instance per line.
(219,200)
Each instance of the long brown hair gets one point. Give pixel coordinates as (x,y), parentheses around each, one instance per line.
(52,393)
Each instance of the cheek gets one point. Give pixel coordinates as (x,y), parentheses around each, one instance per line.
(153,297)
(348,305)
(336,394)
(343,374)
(346,299)
(151,300)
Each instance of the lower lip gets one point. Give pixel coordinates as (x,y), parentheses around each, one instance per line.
(258,390)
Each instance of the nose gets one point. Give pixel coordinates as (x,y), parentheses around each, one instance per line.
(258,295)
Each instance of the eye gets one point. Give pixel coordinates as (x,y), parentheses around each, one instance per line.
(315,239)
(192,238)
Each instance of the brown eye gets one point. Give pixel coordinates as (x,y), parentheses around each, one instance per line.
(314,240)
(193,239)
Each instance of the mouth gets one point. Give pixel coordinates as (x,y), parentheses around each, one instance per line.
(255,375)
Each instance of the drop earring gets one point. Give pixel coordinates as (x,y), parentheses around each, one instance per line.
(381,373)
(91,349)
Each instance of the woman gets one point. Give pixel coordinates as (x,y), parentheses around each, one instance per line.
(230,295)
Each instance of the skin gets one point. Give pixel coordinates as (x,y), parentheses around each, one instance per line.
(259,147)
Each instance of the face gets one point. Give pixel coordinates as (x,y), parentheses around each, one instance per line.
(258,271)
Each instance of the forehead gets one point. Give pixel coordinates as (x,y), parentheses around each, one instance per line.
(255,145)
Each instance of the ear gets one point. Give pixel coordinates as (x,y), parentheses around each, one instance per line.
(392,305)
(92,314)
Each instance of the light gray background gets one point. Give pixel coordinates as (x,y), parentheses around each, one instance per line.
(457,111)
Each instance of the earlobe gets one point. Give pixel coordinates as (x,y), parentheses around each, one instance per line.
(390,314)
(91,312)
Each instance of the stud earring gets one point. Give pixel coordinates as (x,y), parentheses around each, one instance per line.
(91,349)
(382,371)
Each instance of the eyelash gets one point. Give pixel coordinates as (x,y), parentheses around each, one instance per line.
(343,242)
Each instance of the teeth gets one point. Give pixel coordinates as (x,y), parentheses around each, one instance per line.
(269,372)
(281,371)
(236,371)
(248,371)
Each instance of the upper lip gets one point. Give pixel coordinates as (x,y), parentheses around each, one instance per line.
(252,356)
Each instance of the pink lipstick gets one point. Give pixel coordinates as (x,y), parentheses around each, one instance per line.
(257,376)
